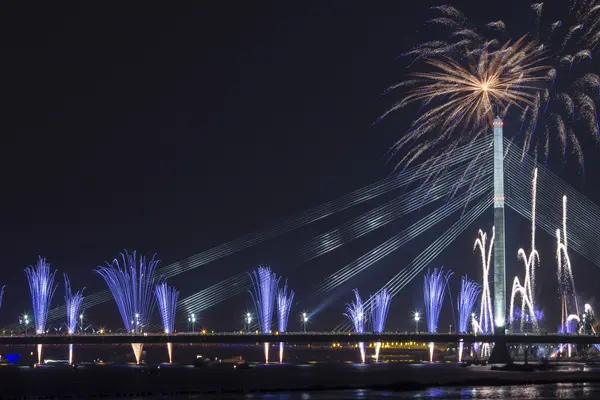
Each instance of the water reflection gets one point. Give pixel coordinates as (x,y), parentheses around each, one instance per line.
(551,391)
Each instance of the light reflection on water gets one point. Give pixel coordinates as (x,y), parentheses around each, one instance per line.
(550,391)
(541,392)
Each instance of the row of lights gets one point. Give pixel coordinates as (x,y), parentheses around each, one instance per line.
(304,319)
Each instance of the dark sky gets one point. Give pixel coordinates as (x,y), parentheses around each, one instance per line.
(172,128)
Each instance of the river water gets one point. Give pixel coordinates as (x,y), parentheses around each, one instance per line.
(538,392)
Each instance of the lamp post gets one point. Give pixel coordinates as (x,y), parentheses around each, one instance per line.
(81,322)
(24,320)
(192,320)
(417,318)
(247,321)
(304,321)
(137,323)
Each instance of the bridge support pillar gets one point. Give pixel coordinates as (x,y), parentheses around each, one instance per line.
(499,263)
(500,354)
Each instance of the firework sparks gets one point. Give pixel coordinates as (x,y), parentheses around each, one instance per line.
(380,305)
(469,290)
(2,294)
(264,293)
(73,302)
(41,285)
(73,305)
(355,312)
(284,305)
(466,97)
(132,287)
(434,289)
(566,280)
(485,313)
(264,283)
(469,78)
(527,290)
(166,297)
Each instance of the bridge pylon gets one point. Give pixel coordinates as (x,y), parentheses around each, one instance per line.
(500,353)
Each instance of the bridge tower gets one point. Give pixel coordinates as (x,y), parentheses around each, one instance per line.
(500,352)
(499,261)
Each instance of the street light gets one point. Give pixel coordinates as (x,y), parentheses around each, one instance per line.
(137,322)
(417,317)
(81,322)
(304,321)
(247,321)
(24,320)
(192,320)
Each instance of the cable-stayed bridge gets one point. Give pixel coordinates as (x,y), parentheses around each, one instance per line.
(459,183)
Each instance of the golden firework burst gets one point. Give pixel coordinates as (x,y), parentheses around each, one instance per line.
(465,98)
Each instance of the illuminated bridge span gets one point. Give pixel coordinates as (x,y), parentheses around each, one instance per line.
(460,194)
(293,338)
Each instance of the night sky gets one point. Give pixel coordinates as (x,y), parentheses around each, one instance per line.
(173,128)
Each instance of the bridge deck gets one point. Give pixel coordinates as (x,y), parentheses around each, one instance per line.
(293,338)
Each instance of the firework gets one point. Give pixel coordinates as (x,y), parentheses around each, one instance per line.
(380,305)
(2,294)
(355,312)
(41,285)
(527,290)
(284,305)
(566,280)
(485,313)
(73,303)
(469,291)
(166,298)
(132,286)
(434,289)
(263,295)
(518,315)
(469,78)
(466,98)
(264,283)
